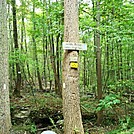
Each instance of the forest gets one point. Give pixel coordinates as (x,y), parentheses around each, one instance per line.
(76,90)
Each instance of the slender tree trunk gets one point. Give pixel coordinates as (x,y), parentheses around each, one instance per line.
(53,60)
(98,58)
(5,122)
(59,89)
(70,77)
(16,45)
(44,38)
(24,77)
(29,77)
(35,50)
(44,61)
(11,50)
(84,73)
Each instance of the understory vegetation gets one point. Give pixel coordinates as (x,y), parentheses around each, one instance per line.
(40,111)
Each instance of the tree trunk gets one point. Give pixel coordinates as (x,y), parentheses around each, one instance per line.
(84,73)
(11,50)
(96,5)
(5,122)
(35,50)
(16,45)
(24,77)
(55,68)
(29,77)
(70,91)
(58,66)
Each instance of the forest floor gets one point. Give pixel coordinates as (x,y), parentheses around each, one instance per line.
(37,111)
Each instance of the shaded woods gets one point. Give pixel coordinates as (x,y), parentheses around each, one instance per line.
(106,79)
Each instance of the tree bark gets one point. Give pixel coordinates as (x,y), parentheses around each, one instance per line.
(96,5)
(5,122)
(35,50)
(44,40)
(70,77)
(16,45)
(58,66)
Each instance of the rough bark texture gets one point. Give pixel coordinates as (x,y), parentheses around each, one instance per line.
(70,92)
(5,123)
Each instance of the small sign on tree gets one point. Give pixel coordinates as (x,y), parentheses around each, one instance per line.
(74,46)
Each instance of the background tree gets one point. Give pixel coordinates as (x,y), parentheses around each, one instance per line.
(97,46)
(5,123)
(16,50)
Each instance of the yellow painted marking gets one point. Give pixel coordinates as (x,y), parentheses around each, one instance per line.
(74,65)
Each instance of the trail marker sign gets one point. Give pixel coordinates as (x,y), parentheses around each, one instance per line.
(74,65)
(74,46)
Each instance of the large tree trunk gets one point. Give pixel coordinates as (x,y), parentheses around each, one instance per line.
(70,91)
(5,123)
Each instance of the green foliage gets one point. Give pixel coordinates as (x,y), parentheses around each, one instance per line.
(108,102)
(128,85)
(17,56)
(33,129)
(125,126)
(117,39)
(125,123)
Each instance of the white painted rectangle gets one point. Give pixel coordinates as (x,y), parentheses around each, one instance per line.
(74,46)
(64,85)
(4,86)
